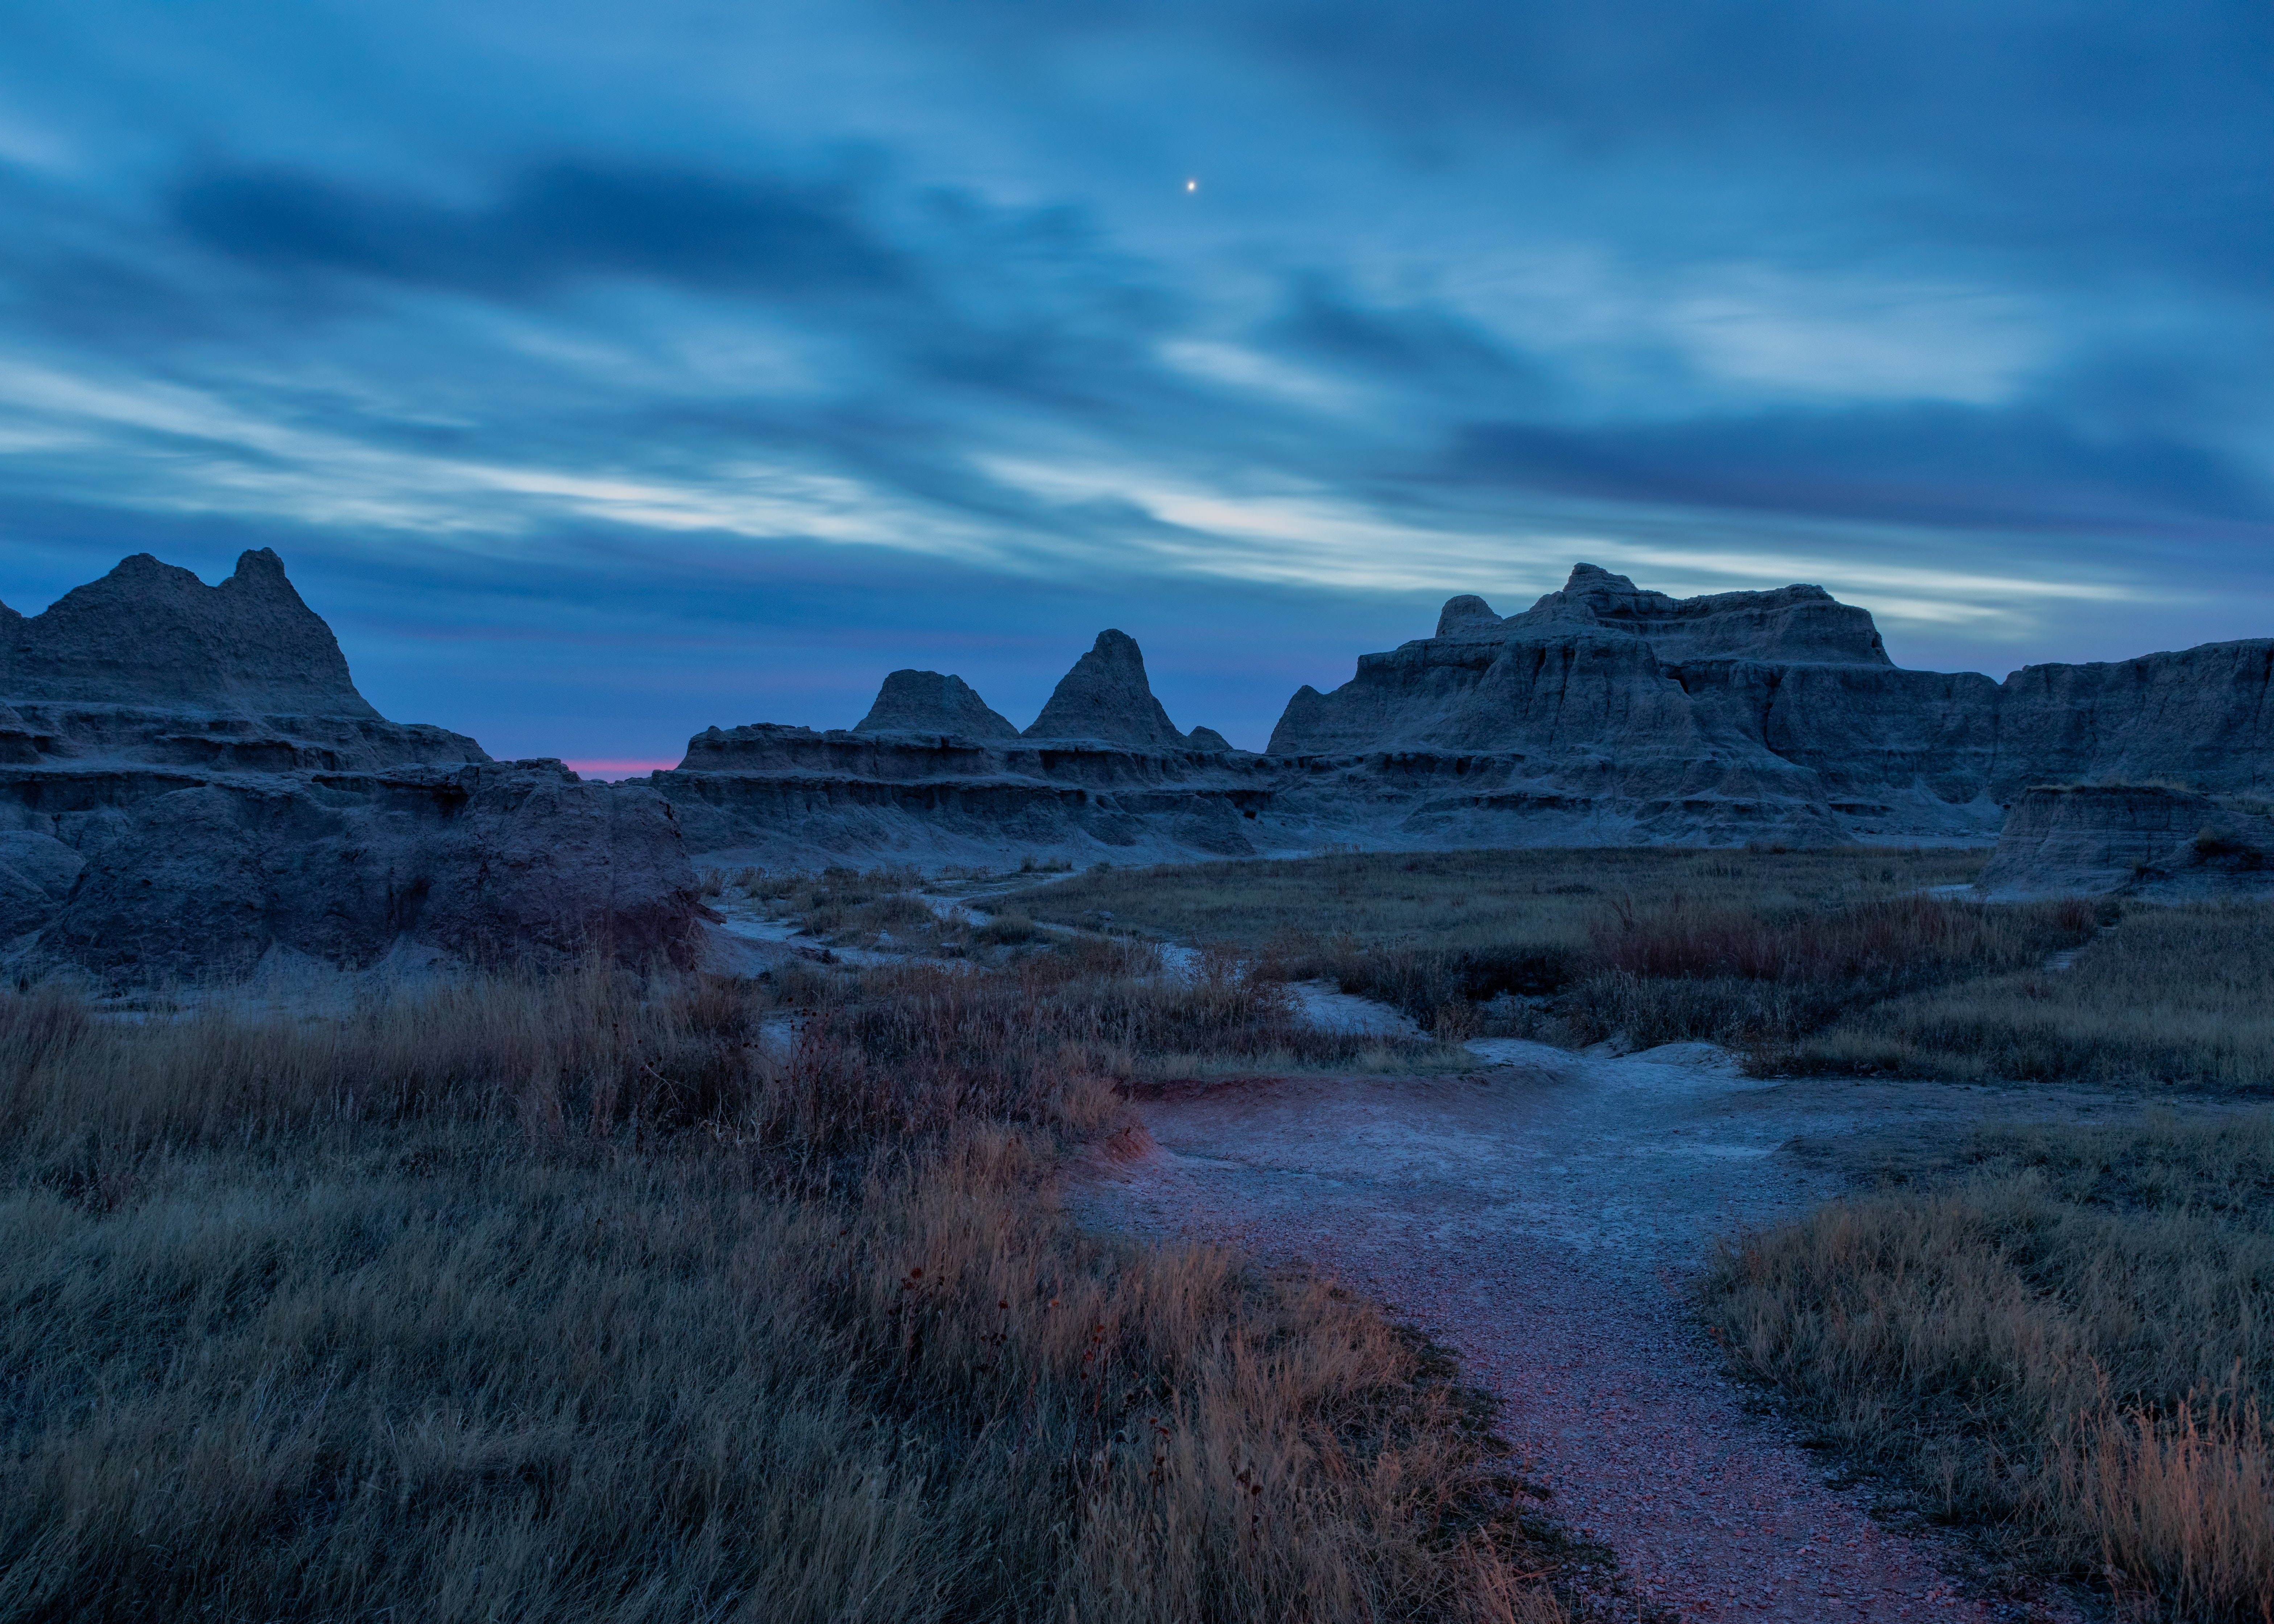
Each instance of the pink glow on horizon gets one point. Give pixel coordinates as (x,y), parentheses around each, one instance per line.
(619,769)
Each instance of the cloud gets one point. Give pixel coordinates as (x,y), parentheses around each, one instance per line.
(550,226)
(1933,464)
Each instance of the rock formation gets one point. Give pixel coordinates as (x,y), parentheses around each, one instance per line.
(190,782)
(926,702)
(1751,713)
(793,797)
(1604,714)
(151,634)
(2146,840)
(1106,697)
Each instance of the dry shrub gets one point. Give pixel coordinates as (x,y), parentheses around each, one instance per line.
(1005,929)
(2064,1338)
(587,1297)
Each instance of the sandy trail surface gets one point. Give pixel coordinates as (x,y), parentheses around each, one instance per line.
(1546,1217)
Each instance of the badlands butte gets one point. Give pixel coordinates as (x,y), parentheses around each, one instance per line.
(191,784)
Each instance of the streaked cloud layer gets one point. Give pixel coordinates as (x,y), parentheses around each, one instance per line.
(606,371)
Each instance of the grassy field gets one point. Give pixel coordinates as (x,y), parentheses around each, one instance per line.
(586,1297)
(1546,900)
(2064,1337)
(1652,945)
(2166,995)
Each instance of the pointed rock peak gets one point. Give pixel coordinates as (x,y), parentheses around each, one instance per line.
(931,702)
(1467,613)
(1106,697)
(1209,739)
(258,567)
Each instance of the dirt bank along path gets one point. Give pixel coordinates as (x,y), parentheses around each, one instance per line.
(1546,1218)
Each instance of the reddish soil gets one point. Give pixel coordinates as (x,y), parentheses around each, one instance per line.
(1544,1220)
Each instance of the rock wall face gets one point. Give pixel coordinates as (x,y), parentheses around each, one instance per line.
(494,861)
(793,797)
(1786,695)
(189,782)
(2146,840)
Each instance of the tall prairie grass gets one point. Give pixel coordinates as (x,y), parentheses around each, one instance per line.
(587,1297)
(2064,1336)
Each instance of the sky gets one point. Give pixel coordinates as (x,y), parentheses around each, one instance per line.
(607,372)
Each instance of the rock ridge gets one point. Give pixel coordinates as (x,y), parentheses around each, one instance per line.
(1603,714)
(191,787)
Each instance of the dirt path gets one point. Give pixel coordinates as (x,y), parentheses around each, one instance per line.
(1544,1218)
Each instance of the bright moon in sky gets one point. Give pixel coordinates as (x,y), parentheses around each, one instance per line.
(1192,186)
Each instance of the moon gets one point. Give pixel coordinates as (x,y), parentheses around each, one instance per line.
(1192,186)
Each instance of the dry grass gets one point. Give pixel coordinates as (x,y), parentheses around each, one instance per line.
(583,1298)
(1544,900)
(2063,1335)
(1754,950)
(2169,994)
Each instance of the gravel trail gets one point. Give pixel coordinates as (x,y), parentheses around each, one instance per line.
(1546,1217)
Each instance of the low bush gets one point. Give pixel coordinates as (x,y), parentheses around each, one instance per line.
(1004,929)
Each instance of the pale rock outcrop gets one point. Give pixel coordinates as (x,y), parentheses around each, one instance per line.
(791,796)
(37,874)
(2151,841)
(928,702)
(1106,697)
(189,781)
(1744,715)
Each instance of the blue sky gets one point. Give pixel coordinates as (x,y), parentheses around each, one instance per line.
(607,372)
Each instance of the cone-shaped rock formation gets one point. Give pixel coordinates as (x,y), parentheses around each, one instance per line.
(929,702)
(1106,697)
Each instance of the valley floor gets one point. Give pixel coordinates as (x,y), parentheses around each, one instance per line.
(1547,1218)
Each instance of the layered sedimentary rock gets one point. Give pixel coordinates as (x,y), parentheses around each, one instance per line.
(792,796)
(1604,714)
(1738,713)
(1101,775)
(2145,839)
(190,782)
